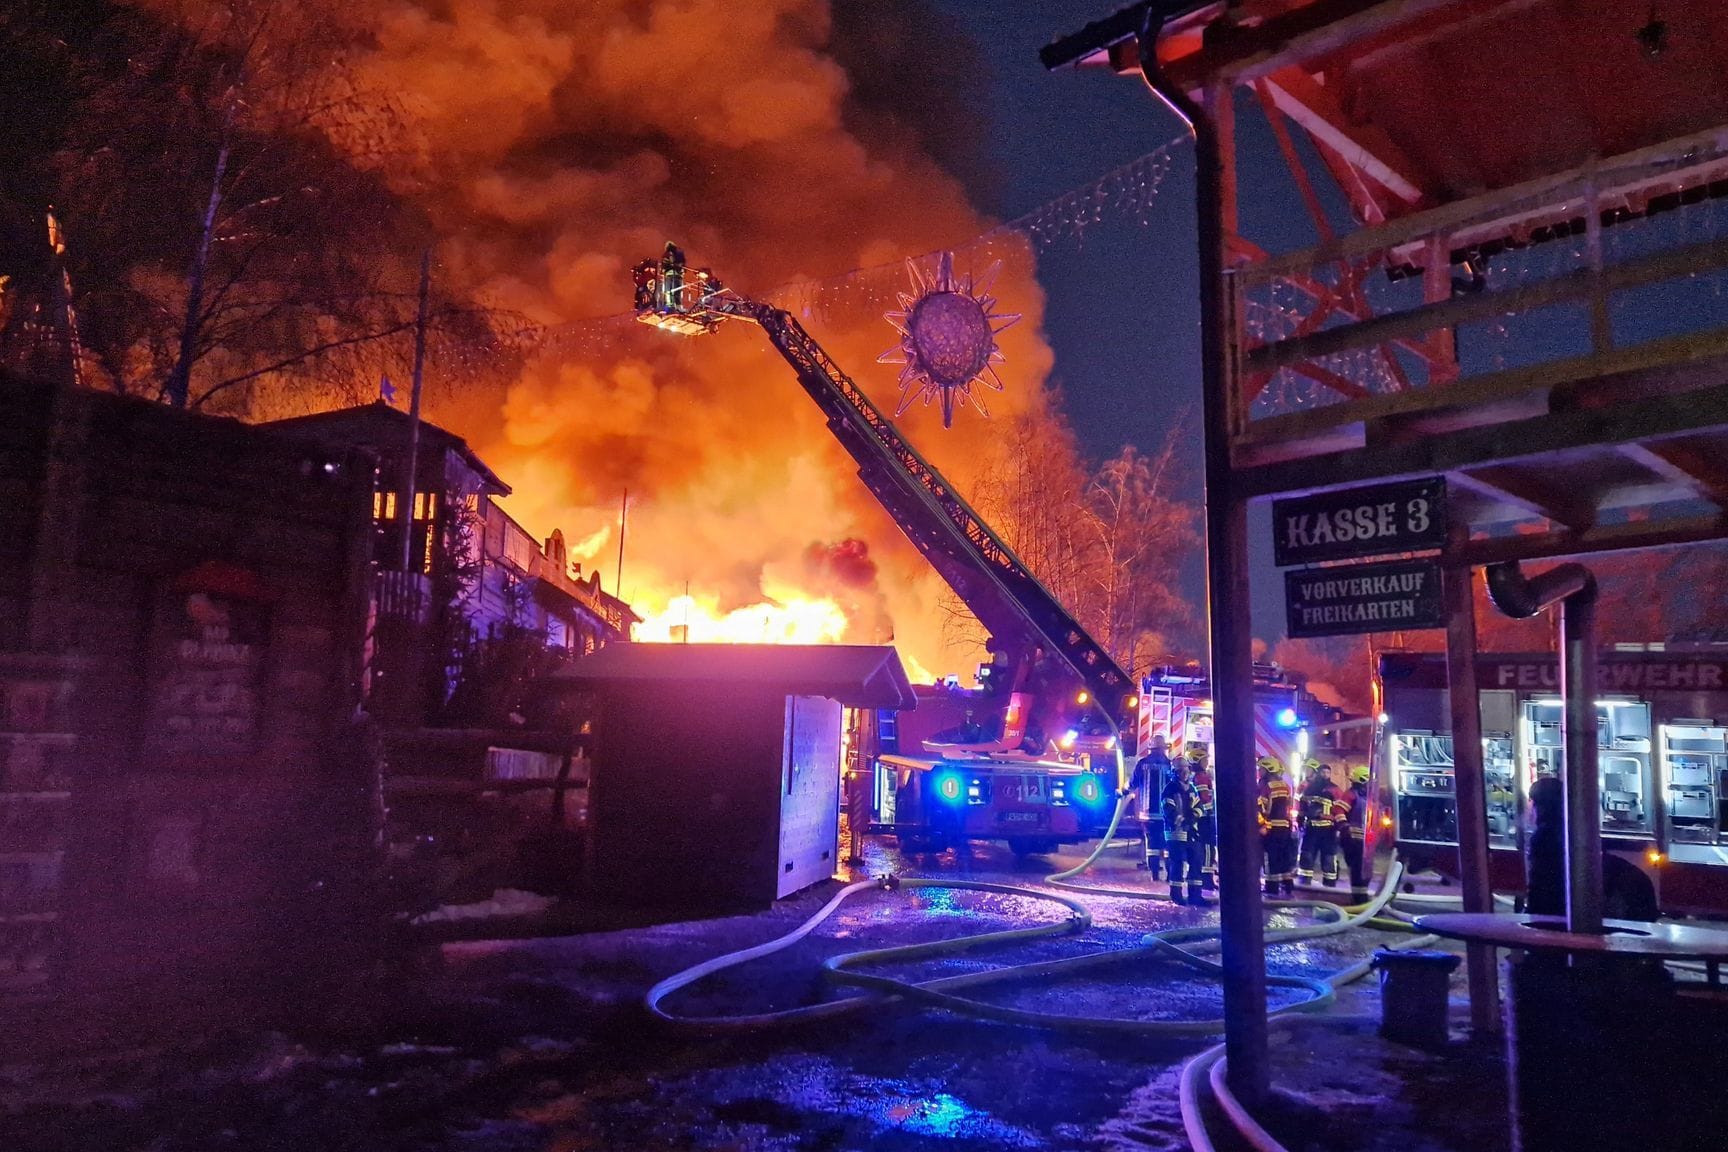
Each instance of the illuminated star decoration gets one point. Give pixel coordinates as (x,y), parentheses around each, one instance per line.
(948,337)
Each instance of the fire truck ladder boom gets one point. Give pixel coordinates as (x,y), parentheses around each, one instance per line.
(983,571)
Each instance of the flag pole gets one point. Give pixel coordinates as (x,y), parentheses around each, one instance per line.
(414,415)
(623,519)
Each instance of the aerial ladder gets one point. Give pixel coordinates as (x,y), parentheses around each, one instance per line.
(1028,626)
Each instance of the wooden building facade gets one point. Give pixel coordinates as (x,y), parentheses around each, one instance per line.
(473,576)
(183,808)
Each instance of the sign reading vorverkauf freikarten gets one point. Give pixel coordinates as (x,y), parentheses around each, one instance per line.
(1392,596)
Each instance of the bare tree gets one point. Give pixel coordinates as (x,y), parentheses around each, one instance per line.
(221,176)
(1141,534)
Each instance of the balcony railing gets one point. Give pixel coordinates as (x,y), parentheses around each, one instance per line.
(403,595)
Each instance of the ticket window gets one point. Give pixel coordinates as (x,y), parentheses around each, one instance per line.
(1695,781)
(1623,757)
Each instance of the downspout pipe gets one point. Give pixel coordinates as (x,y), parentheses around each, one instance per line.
(1241,924)
(1574,589)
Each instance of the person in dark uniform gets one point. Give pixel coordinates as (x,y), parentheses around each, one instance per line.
(1627,894)
(1351,822)
(1181,803)
(1195,754)
(1277,836)
(1545,891)
(672,278)
(1319,833)
(1146,785)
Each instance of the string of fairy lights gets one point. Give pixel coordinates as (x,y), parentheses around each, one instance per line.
(1280,308)
(1125,193)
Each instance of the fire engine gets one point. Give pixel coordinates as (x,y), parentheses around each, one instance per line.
(1032,755)
(1662,716)
(1289,722)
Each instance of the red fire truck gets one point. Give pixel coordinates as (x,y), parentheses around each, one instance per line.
(1289,723)
(1662,716)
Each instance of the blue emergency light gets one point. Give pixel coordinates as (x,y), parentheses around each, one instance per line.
(1287,718)
(948,786)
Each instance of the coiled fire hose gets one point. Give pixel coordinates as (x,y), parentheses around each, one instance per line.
(941,992)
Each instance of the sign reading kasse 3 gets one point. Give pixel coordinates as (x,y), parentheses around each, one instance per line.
(1409,516)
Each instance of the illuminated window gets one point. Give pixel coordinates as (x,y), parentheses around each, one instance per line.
(383,505)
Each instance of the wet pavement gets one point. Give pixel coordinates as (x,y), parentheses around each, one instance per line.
(544,1044)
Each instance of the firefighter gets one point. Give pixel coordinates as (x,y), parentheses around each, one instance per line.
(1146,785)
(1319,833)
(1196,757)
(1351,821)
(1181,803)
(1277,837)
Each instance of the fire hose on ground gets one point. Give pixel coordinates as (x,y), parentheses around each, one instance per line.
(1182,945)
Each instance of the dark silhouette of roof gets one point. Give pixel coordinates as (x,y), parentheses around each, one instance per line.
(858,676)
(383,429)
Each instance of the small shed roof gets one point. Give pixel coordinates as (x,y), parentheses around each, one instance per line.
(857,676)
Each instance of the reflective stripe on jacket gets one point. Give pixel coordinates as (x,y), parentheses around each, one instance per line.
(1351,810)
(1275,803)
(1181,809)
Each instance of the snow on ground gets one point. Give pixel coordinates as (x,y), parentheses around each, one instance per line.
(543,1044)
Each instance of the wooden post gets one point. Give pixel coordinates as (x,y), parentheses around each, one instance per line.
(1241,919)
(1469,783)
(1242,931)
(1601,328)
(1437,286)
(1583,784)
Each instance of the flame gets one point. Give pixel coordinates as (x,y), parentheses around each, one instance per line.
(780,141)
(699,620)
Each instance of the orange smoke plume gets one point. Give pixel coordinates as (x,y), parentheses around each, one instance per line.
(559,144)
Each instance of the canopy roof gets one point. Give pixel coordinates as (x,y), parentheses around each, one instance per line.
(857,676)
(1443,100)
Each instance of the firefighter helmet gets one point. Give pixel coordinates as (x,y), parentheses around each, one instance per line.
(1195,753)
(1311,765)
(1359,774)
(1271,765)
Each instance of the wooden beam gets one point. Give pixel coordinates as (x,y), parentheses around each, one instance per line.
(1705,475)
(1609,538)
(1709,256)
(1367,147)
(1532,495)
(1702,410)
(1670,160)
(1671,364)
(1240,54)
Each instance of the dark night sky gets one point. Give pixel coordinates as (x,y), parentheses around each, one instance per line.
(1122,311)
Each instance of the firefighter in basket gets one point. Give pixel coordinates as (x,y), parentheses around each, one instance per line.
(1351,821)
(1318,813)
(1146,785)
(1182,816)
(1277,836)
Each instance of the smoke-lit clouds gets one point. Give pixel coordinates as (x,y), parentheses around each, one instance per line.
(559,143)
